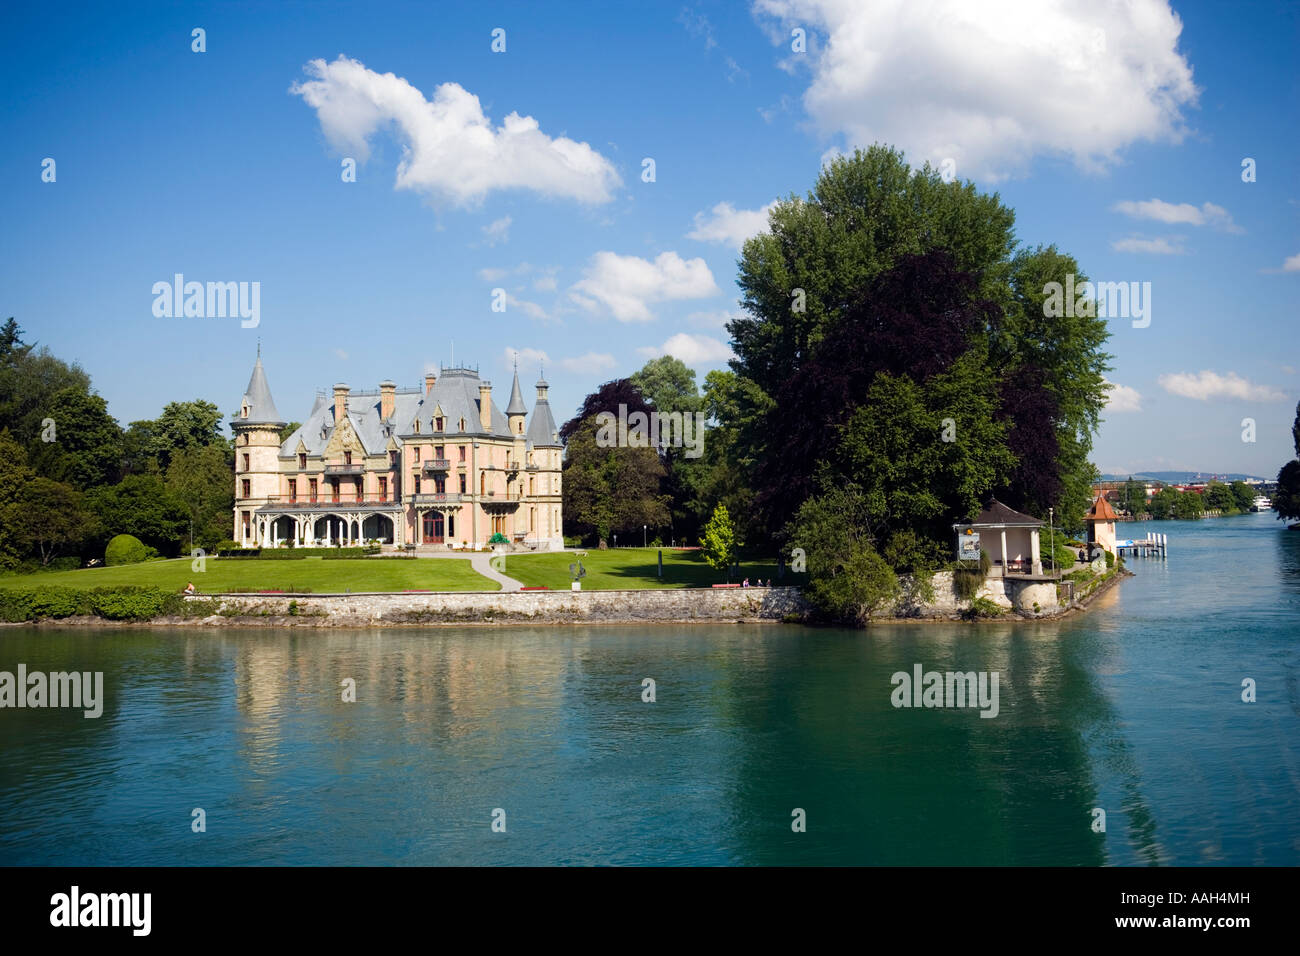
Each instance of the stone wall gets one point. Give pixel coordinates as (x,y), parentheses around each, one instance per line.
(702,605)
(1012,594)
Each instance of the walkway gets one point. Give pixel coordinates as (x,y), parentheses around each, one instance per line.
(480,562)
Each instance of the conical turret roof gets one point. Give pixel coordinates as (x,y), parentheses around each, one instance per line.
(516,406)
(261,407)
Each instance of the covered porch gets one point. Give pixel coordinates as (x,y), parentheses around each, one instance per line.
(1010,538)
(344,527)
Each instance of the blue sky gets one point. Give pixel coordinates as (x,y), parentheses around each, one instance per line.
(1116,134)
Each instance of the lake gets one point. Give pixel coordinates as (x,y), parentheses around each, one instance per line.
(1134,708)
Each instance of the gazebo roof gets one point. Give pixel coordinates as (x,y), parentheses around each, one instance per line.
(1101,511)
(998,515)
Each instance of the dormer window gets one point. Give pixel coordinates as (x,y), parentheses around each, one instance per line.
(462,424)
(437,424)
(347,458)
(245,409)
(417,426)
(302,459)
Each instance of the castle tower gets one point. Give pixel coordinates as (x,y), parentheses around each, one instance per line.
(544,474)
(257,446)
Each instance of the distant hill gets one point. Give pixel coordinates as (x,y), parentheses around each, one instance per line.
(1183,477)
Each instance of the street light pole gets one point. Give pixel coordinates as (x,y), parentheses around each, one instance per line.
(1051,536)
(643,527)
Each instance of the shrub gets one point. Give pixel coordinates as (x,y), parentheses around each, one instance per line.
(966,582)
(498,538)
(129,603)
(1110,560)
(1061,557)
(983,608)
(125,549)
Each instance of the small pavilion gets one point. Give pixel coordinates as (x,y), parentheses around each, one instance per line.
(1010,538)
(1101,520)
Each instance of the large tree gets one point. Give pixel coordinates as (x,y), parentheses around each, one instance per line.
(883,268)
(1286,499)
(202,479)
(610,487)
(141,505)
(51,518)
(81,442)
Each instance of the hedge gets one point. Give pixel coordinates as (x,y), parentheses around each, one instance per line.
(113,604)
(298,554)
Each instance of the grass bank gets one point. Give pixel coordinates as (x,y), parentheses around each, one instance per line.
(356,574)
(633,568)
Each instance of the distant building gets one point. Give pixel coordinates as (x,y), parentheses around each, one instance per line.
(439,465)
(1101,520)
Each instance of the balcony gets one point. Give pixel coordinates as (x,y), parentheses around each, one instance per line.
(437,464)
(437,498)
(325,502)
(354,469)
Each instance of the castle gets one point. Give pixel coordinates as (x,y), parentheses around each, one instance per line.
(438,466)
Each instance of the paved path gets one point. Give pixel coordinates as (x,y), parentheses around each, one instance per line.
(480,562)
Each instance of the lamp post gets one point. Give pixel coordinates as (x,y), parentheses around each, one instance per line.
(1051,536)
(643,527)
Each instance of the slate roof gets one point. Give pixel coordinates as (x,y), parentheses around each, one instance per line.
(455,394)
(997,514)
(542,432)
(261,409)
(1101,511)
(516,406)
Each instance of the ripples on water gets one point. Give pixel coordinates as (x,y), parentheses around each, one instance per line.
(1134,708)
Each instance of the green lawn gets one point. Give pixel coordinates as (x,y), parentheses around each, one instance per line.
(357,574)
(632,568)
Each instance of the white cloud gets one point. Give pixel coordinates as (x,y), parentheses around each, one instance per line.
(341,354)
(544,284)
(697,25)
(1206,385)
(992,84)
(527,357)
(493,275)
(716,319)
(627,285)
(1207,214)
(1292,264)
(727,224)
(589,363)
(691,349)
(450,148)
(498,230)
(530,309)
(1122,398)
(1165,246)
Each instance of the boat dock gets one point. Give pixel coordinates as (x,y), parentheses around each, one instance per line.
(1153,545)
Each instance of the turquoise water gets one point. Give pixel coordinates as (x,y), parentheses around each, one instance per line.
(1134,708)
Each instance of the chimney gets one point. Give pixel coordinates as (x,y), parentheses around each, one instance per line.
(485,405)
(387,399)
(429,380)
(340,402)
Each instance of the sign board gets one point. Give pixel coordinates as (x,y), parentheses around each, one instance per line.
(968,546)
